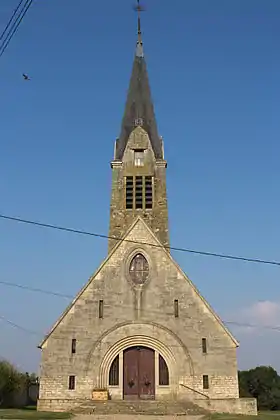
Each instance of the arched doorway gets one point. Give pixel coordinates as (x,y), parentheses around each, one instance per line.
(138,373)
(111,370)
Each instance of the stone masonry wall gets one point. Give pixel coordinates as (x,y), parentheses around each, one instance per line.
(135,316)
(58,405)
(220,386)
(243,406)
(121,218)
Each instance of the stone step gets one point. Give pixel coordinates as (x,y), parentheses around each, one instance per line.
(134,417)
(159,408)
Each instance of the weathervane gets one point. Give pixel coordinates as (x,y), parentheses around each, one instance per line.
(139,8)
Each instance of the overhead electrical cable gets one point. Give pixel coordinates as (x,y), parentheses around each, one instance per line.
(19,327)
(10,21)
(35,289)
(14,27)
(234,323)
(99,235)
(50,292)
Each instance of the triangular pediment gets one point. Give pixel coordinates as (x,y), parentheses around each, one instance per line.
(140,235)
(91,279)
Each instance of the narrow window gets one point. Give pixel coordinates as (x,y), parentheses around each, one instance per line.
(114,372)
(163,372)
(148,192)
(129,192)
(176,308)
(139,157)
(71,382)
(205,382)
(101,307)
(204,345)
(73,348)
(139,192)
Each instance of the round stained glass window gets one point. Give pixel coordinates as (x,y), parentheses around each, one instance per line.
(139,269)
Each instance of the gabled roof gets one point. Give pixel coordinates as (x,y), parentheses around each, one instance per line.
(157,244)
(71,305)
(139,107)
(211,310)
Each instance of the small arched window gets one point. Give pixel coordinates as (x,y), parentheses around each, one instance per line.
(163,372)
(139,269)
(114,372)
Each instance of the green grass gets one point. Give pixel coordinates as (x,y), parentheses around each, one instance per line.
(262,415)
(30,413)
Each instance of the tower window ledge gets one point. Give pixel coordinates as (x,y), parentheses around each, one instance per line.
(144,210)
(161,163)
(116,163)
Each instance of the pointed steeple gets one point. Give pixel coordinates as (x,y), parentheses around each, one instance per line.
(139,109)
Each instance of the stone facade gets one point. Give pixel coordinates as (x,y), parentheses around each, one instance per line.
(139,298)
(139,316)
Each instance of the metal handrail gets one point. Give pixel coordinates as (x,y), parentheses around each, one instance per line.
(194,390)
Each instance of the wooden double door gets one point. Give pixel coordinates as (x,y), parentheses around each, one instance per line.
(139,373)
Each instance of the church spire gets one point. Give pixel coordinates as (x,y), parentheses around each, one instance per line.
(139,167)
(139,109)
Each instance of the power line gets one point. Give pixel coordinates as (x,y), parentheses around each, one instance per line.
(98,235)
(19,327)
(41,334)
(11,18)
(33,289)
(15,25)
(31,332)
(152,311)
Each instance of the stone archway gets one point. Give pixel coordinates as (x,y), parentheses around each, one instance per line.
(112,344)
(134,341)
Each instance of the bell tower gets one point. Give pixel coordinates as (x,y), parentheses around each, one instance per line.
(139,167)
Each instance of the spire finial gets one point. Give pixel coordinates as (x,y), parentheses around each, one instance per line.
(139,49)
(139,10)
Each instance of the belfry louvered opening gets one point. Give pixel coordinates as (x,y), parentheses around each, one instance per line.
(148,192)
(139,192)
(129,192)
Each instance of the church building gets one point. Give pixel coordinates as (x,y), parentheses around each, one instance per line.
(139,328)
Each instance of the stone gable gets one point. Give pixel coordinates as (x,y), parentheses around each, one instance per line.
(166,281)
(139,315)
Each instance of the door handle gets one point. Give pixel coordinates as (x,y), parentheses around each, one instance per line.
(131,383)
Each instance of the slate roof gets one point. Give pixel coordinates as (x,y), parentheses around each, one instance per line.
(139,106)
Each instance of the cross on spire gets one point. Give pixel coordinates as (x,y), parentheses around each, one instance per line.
(139,9)
(139,51)
(139,109)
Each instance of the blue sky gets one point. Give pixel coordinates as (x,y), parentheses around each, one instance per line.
(214,71)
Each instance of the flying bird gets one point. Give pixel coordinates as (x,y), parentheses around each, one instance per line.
(25,76)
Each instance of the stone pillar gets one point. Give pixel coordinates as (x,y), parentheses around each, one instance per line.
(156,370)
(121,372)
